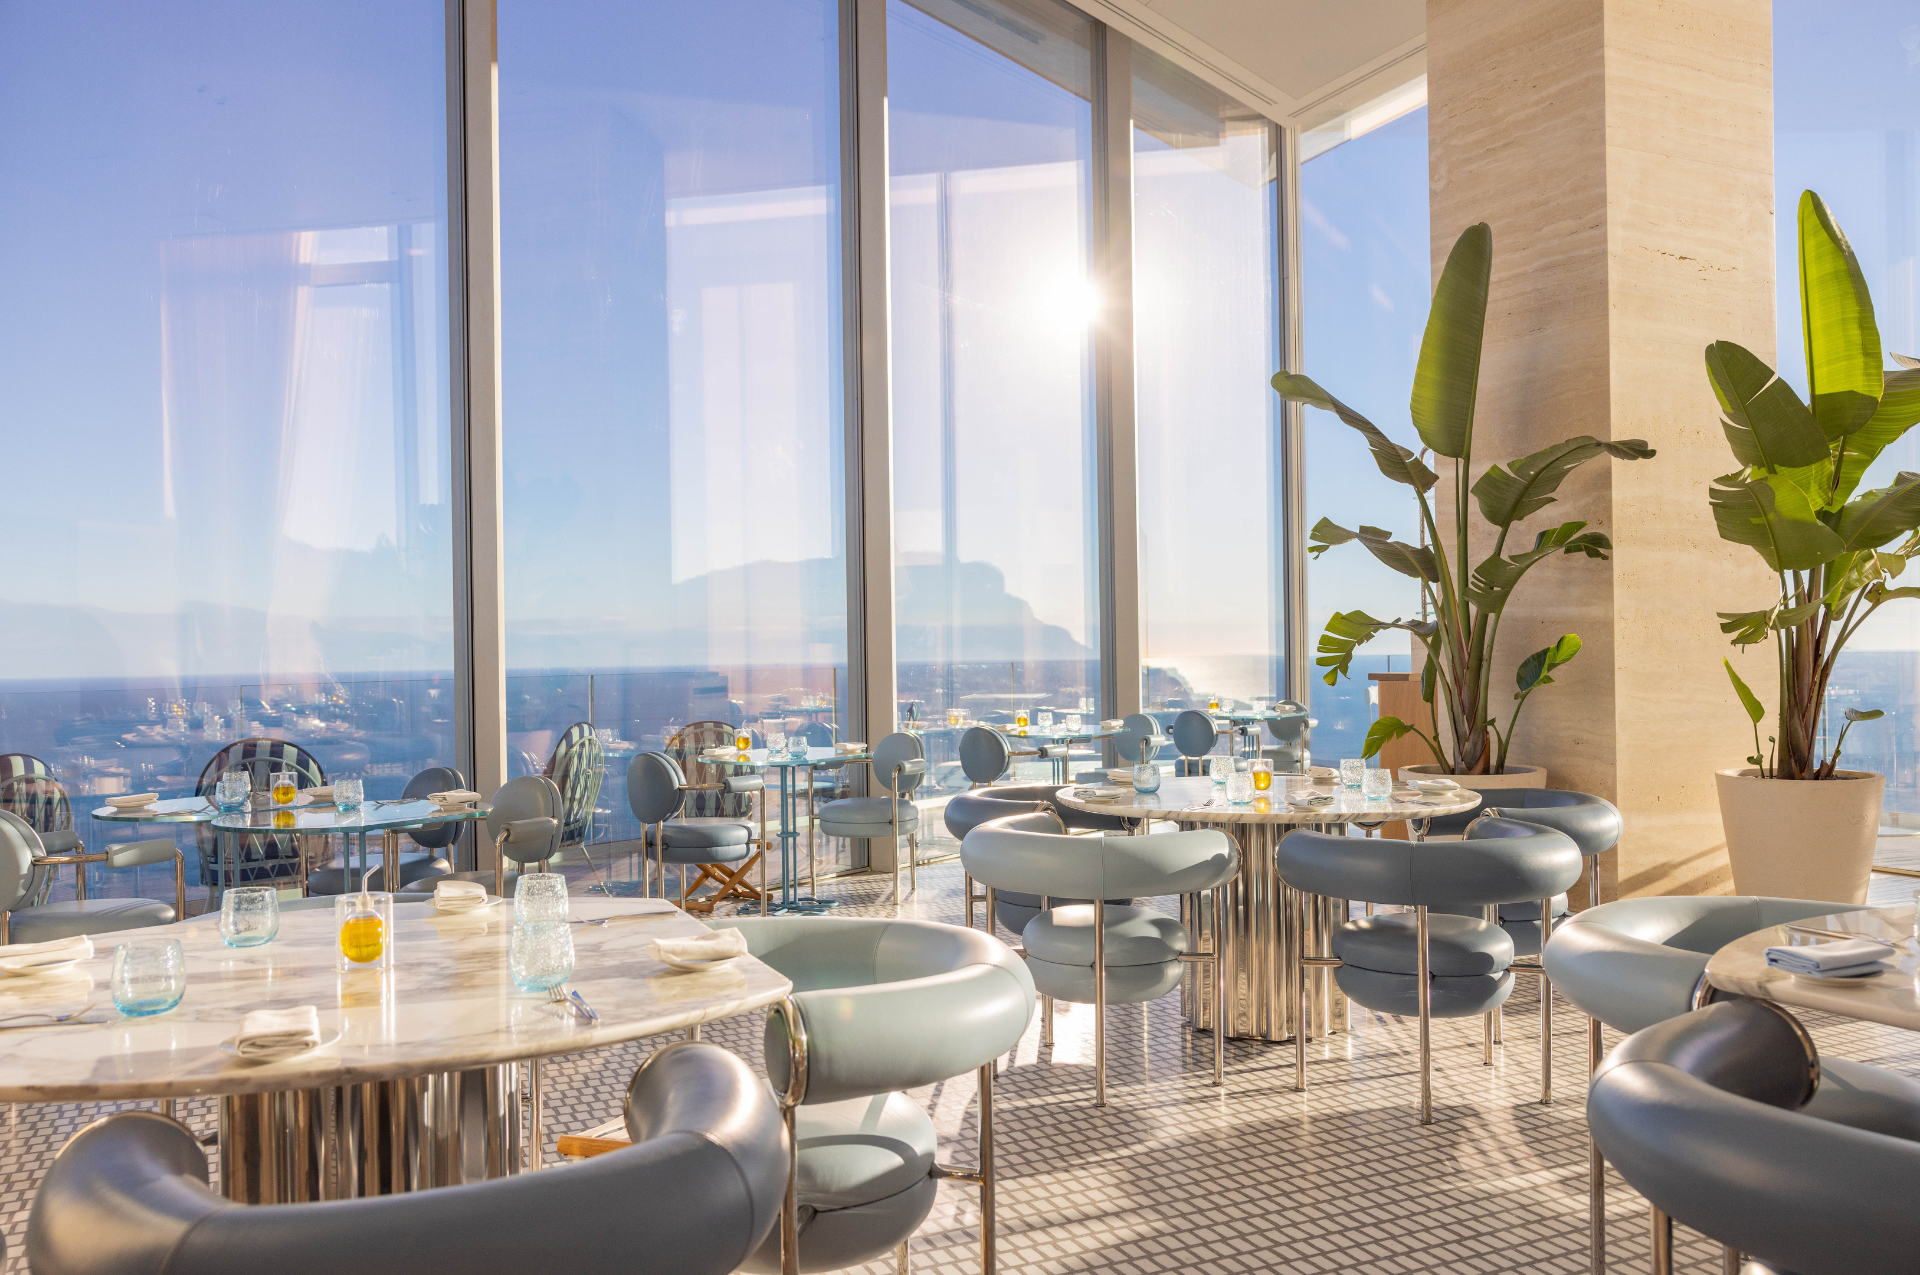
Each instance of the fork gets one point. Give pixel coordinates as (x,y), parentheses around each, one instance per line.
(559,995)
(52,1018)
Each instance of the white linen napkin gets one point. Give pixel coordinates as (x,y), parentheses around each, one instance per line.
(1114,723)
(278,1033)
(24,958)
(1828,960)
(719,945)
(459,896)
(453,797)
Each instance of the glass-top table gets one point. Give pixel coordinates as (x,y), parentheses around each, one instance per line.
(791,900)
(1247,723)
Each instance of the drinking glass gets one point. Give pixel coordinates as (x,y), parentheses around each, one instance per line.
(1351,768)
(1240,787)
(1213,703)
(364,925)
(1219,767)
(1146,777)
(231,792)
(1073,722)
(1020,720)
(605,735)
(283,788)
(540,896)
(1376,783)
(348,793)
(1262,772)
(249,915)
(1046,719)
(149,976)
(776,743)
(540,955)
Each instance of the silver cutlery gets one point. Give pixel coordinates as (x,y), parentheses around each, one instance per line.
(52,1019)
(592,1015)
(568,1001)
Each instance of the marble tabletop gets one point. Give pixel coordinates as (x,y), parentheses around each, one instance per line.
(1892,998)
(1197,799)
(446,1005)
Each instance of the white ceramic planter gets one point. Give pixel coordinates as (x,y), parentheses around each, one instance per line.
(1516,776)
(1798,838)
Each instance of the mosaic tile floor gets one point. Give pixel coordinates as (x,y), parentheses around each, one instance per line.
(1176,1176)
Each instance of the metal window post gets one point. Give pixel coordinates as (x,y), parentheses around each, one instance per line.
(1116,442)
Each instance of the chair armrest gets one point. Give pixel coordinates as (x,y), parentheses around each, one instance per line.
(742,784)
(138,854)
(54,860)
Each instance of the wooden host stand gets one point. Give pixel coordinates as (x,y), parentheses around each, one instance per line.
(1400,697)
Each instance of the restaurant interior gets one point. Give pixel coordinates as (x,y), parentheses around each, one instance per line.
(529,743)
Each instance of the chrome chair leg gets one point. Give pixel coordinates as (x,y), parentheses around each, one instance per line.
(1730,1260)
(1219,987)
(1491,914)
(1099,1002)
(1300,980)
(790,1207)
(1425,993)
(989,1221)
(1546,1006)
(1662,1241)
(1046,1022)
(1596,1170)
(903,1257)
(536,1140)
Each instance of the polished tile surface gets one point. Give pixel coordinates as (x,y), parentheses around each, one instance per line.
(1174,1176)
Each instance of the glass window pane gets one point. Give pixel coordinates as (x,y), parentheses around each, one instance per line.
(1364,272)
(223,340)
(1847,125)
(672,372)
(1206,325)
(990,133)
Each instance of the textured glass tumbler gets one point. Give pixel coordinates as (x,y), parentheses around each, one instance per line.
(231,792)
(1376,784)
(348,794)
(249,915)
(540,955)
(540,896)
(1240,787)
(1219,767)
(149,976)
(1146,777)
(1351,769)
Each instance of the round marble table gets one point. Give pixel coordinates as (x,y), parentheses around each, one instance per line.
(421,1088)
(1270,925)
(1892,998)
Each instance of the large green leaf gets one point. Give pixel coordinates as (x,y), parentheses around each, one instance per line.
(1836,320)
(1747,627)
(1447,379)
(1537,668)
(1495,578)
(1771,515)
(1748,700)
(1881,514)
(1898,410)
(1325,534)
(1402,557)
(1395,461)
(1527,485)
(1345,630)
(1766,423)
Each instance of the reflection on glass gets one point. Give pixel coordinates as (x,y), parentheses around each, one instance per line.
(670,238)
(990,131)
(223,340)
(1206,324)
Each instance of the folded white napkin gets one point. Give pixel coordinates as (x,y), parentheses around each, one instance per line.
(851,747)
(1829,960)
(126,801)
(453,797)
(459,896)
(278,1033)
(1115,723)
(719,945)
(24,958)
(323,793)
(1308,797)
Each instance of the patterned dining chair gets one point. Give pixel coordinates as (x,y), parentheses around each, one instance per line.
(578,767)
(258,856)
(709,797)
(40,802)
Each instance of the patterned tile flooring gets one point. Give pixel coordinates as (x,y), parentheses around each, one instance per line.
(1176,1176)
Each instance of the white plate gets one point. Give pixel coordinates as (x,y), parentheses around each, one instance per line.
(695,967)
(128,803)
(228,1047)
(1850,981)
(42,971)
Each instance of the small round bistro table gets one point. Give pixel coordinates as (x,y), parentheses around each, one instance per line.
(790,900)
(1892,998)
(1270,925)
(310,818)
(420,1086)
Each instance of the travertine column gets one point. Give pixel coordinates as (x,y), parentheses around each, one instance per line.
(1622,151)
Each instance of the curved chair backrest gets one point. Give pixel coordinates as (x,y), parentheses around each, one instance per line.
(1098,867)
(39,799)
(1699,1113)
(706,802)
(1501,861)
(12,764)
(529,810)
(1291,727)
(888,1004)
(1593,822)
(968,810)
(702,1182)
(19,879)
(578,766)
(259,757)
(897,750)
(656,787)
(817,734)
(431,780)
(1194,733)
(984,755)
(1137,739)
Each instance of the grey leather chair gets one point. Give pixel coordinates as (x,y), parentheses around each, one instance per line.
(879,1006)
(23,858)
(1706,1115)
(1593,822)
(432,838)
(1291,751)
(967,811)
(695,1195)
(1097,953)
(722,848)
(1636,962)
(524,821)
(898,766)
(1424,963)
(1194,735)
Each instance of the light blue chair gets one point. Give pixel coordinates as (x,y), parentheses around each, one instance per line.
(23,860)
(1194,734)
(1138,739)
(968,810)
(417,870)
(878,1006)
(898,766)
(524,819)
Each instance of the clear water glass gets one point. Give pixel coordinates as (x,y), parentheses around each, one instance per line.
(1073,722)
(1376,783)
(1045,719)
(348,793)
(776,743)
(540,896)
(1146,777)
(1351,769)
(1240,787)
(149,976)
(249,915)
(1220,768)
(231,792)
(540,955)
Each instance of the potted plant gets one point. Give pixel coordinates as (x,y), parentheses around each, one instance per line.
(1462,601)
(1797,825)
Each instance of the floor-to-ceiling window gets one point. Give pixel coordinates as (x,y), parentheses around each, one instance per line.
(1365,272)
(223,390)
(990,133)
(1206,331)
(670,255)
(1847,125)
